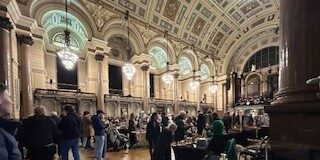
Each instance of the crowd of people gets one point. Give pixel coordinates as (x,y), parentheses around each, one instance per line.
(41,137)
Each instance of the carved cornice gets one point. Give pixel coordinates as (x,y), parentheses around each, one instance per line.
(99,56)
(23,39)
(5,23)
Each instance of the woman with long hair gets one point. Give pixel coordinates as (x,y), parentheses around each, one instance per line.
(132,128)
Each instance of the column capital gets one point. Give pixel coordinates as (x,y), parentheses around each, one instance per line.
(24,39)
(176,75)
(99,56)
(145,67)
(5,23)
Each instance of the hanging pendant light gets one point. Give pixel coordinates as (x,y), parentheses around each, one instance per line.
(167,78)
(68,56)
(194,84)
(128,69)
(213,88)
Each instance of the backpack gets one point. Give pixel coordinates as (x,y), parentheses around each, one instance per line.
(72,130)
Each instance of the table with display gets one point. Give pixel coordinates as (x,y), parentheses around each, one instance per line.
(192,151)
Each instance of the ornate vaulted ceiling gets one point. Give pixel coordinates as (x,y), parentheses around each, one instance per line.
(210,25)
(217,29)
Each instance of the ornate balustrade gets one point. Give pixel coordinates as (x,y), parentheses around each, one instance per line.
(118,98)
(63,94)
(54,100)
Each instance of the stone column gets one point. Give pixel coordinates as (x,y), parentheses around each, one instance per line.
(99,57)
(198,98)
(5,60)
(294,130)
(175,90)
(25,43)
(146,86)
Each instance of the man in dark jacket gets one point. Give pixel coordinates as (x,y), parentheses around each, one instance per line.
(227,120)
(153,131)
(201,123)
(164,120)
(70,128)
(40,136)
(180,132)
(54,116)
(100,135)
(162,148)
(8,145)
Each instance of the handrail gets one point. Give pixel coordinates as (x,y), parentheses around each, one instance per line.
(116,97)
(38,92)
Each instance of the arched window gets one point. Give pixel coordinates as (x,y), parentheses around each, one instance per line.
(119,48)
(54,23)
(185,66)
(204,71)
(159,56)
(253,85)
(263,58)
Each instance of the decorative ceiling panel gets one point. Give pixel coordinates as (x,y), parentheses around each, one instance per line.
(171,9)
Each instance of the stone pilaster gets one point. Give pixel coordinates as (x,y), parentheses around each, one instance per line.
(5,60)
(175,96)
(99,58)
(294,130)
(25,43)
(146,86)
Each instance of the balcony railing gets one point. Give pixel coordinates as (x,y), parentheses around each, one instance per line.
(162,101)
(119,98)
(51,93)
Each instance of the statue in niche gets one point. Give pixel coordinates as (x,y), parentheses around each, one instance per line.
(253,68)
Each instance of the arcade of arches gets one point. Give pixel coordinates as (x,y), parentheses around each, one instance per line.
(232,44)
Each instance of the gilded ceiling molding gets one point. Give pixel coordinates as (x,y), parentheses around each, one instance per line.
(146,33)
(98,12)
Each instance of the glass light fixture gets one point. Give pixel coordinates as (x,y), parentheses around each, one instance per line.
(129,70)
(68,56)
(167,78)
(194,84)
(213,88)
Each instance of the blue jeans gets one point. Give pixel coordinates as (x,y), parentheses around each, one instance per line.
(66,144)
(101,146)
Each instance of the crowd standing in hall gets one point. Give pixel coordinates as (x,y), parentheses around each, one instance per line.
(41,137)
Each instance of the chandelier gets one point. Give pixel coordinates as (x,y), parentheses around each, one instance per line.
(213,88)
(194,84)
(68,56)
(128,69)
(167,78)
